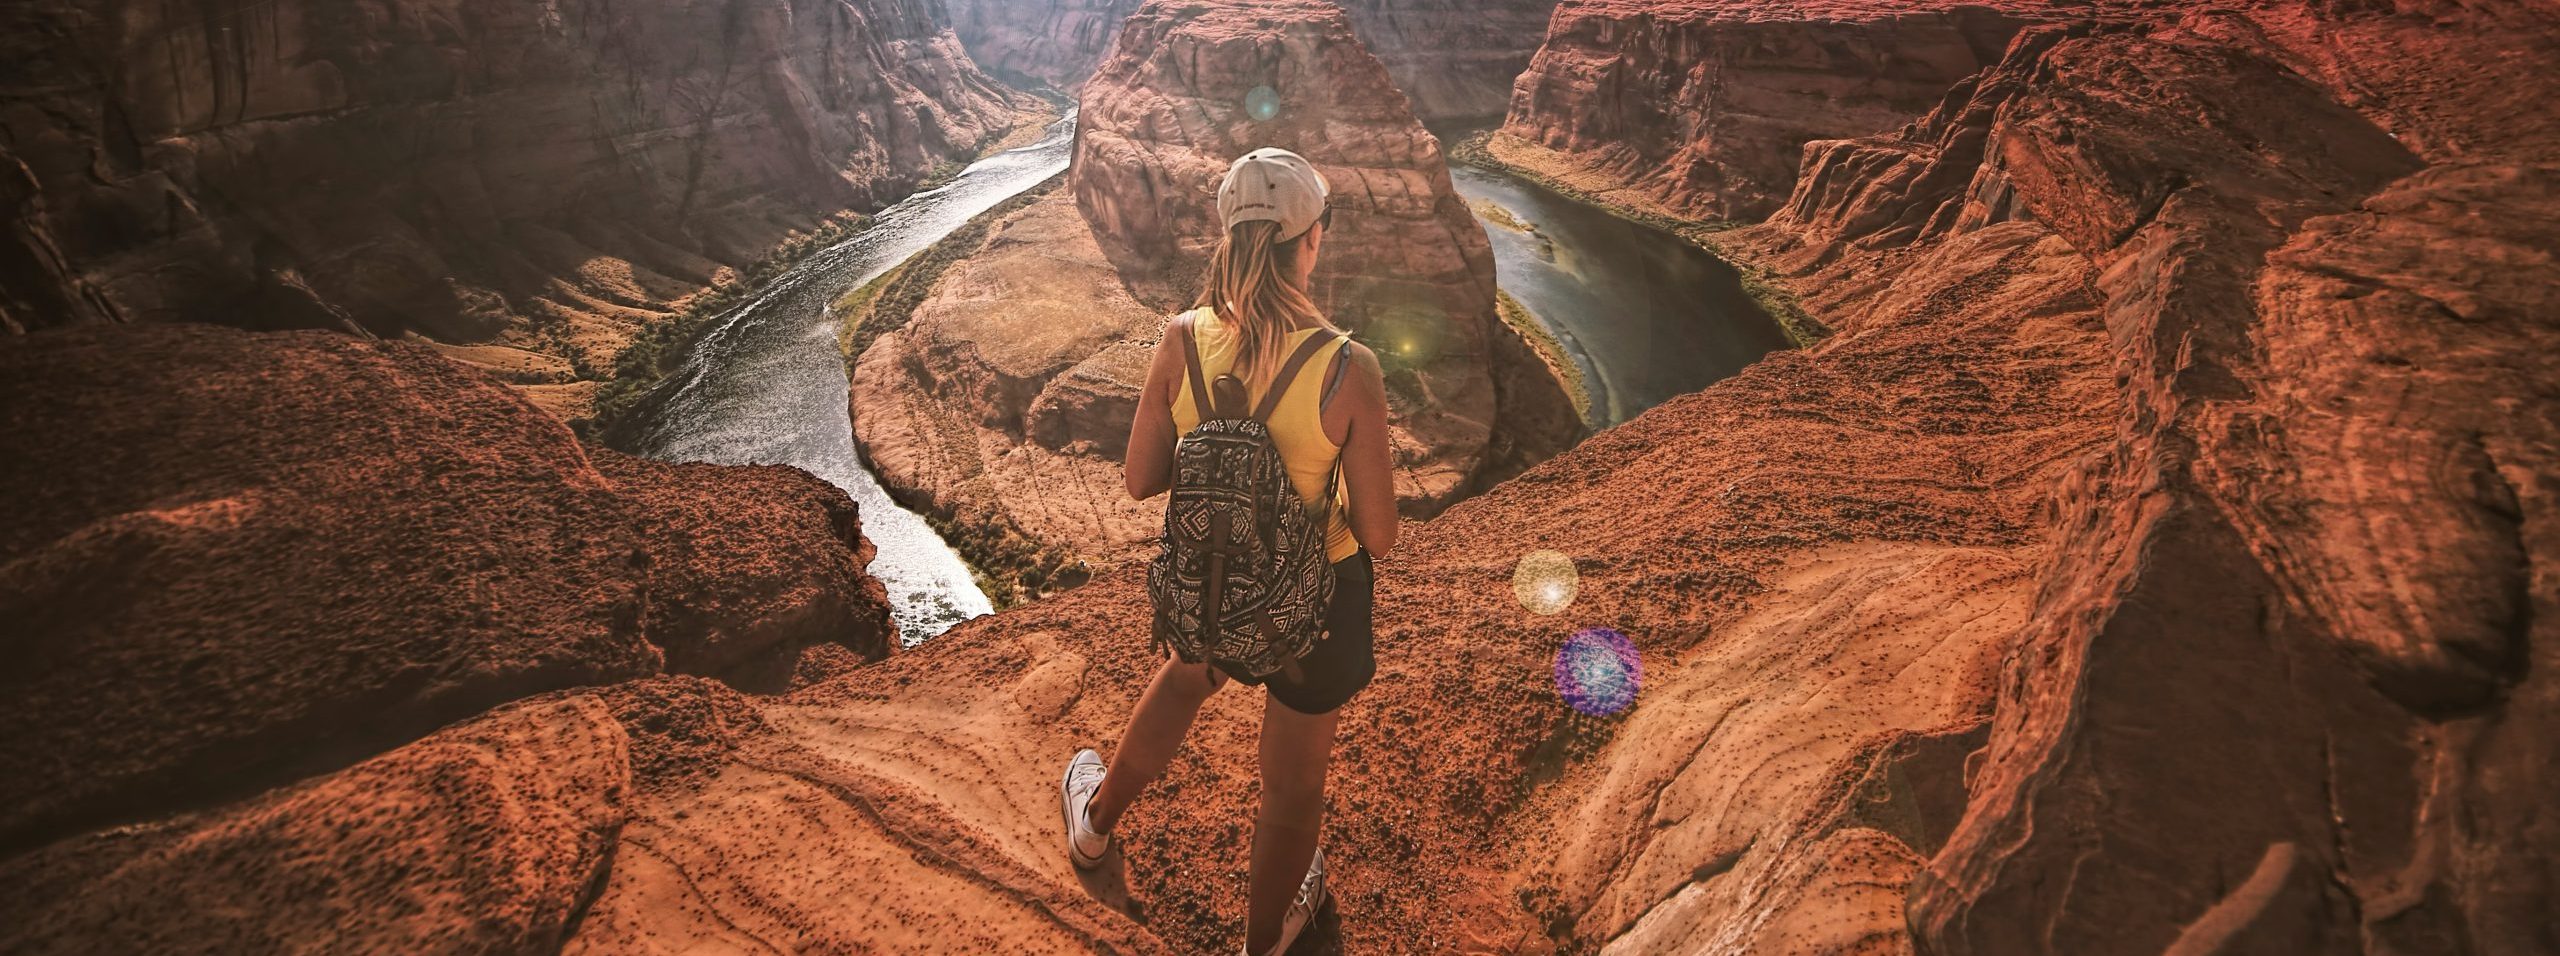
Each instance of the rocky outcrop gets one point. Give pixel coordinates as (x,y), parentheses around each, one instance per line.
(536,178)
(487,837)
(1455,60)
(2275,249)
(232,558)
(1698,109)
(1003,399)
(1405,266)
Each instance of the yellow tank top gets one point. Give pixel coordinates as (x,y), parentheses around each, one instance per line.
(1297,424)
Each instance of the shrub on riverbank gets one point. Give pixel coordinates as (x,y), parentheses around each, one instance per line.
(1010,566)
(660,347)
(1549,348)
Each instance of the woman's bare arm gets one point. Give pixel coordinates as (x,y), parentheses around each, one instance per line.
(1368,460)
(1148,465)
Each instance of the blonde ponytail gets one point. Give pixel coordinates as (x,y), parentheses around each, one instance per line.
(1248,283)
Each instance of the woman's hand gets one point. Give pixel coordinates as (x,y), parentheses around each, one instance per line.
(1147,468)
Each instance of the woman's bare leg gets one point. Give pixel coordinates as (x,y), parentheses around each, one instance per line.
(1155,732)
(1296,750)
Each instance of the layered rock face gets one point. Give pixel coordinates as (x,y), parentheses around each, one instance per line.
(1195,83)
(536,178)
(2275,683)
(1697,109)
(1057,42)
(233,558)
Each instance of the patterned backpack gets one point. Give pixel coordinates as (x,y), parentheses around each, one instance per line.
(1242,581)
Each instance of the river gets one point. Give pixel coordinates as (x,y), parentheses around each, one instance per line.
(767,384)
(1646,315)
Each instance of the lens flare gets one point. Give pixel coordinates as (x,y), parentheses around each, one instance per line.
(1412,329)
(1545,582)
(1597,671)
(1262,103)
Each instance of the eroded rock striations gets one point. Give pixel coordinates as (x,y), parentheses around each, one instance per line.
(233,557)
(536,178)
(1195,83)
(1697,109)
(2275,677)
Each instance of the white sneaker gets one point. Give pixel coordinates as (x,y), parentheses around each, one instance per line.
(1085,846)
(1302,910)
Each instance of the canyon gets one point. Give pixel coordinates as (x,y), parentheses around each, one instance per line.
(1452,60)
(530,185)
(2160,554)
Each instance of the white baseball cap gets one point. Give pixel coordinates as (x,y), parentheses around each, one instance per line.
(1272,184)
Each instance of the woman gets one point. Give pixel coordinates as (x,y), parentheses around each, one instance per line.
(1254,311)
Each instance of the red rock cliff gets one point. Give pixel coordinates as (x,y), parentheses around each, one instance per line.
(1406,266)
(1698,108)
(545,176)
(232,558)
(2279,671)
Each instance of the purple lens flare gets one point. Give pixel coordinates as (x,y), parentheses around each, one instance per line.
(1597,671)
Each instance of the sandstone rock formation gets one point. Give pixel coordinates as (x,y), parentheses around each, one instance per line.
(537,178)
(1454,60)
(1004,398)
(486,837)
(1195,83)
(1697,109)
(2267,588)
(231,558)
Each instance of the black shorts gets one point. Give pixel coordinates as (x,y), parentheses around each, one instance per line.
(1342,663)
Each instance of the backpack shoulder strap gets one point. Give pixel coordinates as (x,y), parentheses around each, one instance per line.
(1191,361)
(1281,380)
(1341,365)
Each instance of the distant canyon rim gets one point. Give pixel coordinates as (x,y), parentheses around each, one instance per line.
(2159,555)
